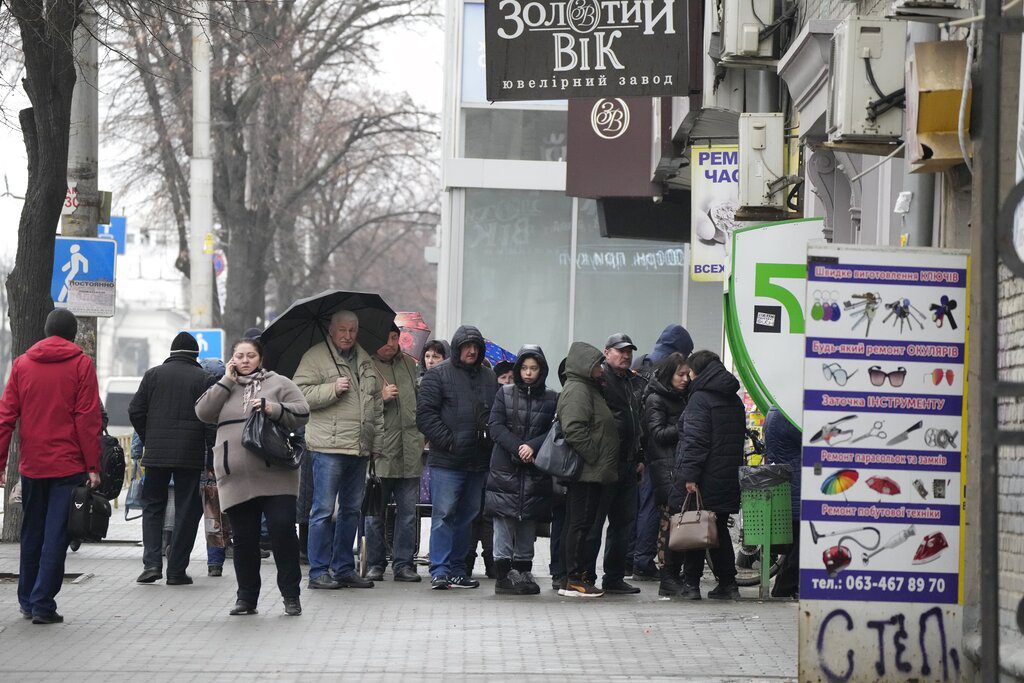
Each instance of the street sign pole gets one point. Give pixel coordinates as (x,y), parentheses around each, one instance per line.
(201,217)
(83,153)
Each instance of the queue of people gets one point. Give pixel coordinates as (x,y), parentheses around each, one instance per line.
(649,438)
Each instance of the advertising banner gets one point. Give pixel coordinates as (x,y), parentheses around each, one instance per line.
(558,49)
(714,198)
(764,317)
(883,463)
(609,148)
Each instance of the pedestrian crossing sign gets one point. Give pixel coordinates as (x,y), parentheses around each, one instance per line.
(83,275)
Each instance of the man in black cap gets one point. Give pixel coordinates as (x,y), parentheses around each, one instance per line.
(175,441)
(623,389)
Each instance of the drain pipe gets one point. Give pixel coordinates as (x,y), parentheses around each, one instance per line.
(920,217)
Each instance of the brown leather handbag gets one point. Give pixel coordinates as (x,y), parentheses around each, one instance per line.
(693,529)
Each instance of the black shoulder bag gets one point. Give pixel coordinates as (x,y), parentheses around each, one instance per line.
(278,446)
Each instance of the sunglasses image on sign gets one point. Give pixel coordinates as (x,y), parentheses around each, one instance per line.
(835,372)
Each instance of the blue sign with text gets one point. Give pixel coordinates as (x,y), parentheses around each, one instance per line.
(80,259)
(211,342)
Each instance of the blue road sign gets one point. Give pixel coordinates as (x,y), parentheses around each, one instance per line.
(211,342)
(81,259)
(117,231)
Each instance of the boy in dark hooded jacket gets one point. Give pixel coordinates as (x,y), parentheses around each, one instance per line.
(518,494)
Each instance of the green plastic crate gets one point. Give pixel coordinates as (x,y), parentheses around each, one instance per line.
(767,516)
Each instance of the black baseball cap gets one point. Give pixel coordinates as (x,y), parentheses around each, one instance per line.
(619,340)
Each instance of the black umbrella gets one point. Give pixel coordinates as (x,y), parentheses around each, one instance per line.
(305,323)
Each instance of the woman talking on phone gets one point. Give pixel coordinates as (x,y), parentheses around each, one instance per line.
(249,488)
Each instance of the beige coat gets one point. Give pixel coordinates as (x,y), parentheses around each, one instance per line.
(241,474)
(350,424)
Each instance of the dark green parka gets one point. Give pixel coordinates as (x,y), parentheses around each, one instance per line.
(586,420)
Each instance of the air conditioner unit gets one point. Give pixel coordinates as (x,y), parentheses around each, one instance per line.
(865,81)
(742,22)
(933,11)
(761,153)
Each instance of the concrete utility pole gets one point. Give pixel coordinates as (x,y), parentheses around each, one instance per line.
(201,214)
(83,152)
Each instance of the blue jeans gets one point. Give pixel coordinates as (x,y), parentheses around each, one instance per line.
(44,540)
(339,478)
(648,520)
(455,500)
(406,492)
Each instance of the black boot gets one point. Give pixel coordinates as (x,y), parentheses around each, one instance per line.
(503,586)
(166,538)
(303,544)
(489,571)
(670,586)
(527,584)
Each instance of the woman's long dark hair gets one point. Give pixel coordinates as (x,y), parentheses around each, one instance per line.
(700,360)
(666,368)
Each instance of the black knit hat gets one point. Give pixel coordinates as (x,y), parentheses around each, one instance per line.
(185,343)
(61,323)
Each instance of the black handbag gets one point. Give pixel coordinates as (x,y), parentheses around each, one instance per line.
(277,445)
(556,457)
(88,515)
(373,496)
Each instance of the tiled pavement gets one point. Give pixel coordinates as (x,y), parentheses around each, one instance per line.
(117,629)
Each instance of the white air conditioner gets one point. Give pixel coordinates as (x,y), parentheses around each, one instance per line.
(742,22)
(865,81)
(762,142)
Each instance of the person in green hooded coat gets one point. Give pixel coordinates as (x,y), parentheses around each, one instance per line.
(590,431)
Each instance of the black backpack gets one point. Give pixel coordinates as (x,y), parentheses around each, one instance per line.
(112,467)
(88,515)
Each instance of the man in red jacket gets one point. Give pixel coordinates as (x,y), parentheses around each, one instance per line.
(53,396)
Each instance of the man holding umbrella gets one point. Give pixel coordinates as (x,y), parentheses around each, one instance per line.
(346,427)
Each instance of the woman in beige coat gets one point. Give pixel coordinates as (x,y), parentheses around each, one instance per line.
(248,487)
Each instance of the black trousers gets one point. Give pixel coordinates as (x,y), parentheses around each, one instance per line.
(245,526)
(787,581)
(188,511)
(723,558)
(581,506)
(618,505)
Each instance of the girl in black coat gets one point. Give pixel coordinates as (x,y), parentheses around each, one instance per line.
(664,401)
(710,451)
(518,494)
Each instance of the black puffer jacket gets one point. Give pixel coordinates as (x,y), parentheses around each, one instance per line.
(711,434)
(662,408)
(521,415)
(624,397)
(163,412)
(453,406)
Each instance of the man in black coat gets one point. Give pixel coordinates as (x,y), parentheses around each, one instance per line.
(623,390)
(164,416)
(452,410)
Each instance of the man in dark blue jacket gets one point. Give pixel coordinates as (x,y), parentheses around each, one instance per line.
(784,443)
(452,410)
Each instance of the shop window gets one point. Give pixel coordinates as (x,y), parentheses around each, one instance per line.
(522,134)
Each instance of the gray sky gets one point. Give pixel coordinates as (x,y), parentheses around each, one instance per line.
(410,61)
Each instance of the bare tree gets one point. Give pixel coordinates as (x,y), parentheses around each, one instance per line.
(290,105)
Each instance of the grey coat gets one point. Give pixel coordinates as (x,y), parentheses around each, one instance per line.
(241,474)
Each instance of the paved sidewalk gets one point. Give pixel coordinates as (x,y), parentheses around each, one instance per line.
(117,629)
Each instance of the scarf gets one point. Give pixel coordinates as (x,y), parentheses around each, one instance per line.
(251,386)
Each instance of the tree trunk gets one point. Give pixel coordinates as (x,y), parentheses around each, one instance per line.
(49,82)
(247,275)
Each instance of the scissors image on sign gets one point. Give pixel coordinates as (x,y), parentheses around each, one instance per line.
(875,432)
(832,434)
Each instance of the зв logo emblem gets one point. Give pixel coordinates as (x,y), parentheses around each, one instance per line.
(610,118)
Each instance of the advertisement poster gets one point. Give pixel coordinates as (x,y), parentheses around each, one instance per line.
(883,463)
(714,198)
(764,317)
(552,50)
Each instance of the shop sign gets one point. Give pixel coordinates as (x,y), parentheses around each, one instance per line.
(552,50)
(609,147)
(884,438)
(714,199)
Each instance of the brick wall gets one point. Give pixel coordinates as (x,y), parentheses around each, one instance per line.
(1011,460)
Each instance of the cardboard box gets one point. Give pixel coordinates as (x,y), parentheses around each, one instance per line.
(935,79)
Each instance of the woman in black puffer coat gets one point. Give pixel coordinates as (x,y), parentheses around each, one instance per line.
(712,429)
(664,401)
(518,494)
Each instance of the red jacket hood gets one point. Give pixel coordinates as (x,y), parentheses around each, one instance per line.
(53,350)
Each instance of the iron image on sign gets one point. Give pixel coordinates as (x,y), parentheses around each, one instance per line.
(552,50)
(885,376)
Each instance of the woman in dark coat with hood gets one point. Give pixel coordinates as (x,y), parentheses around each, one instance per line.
(664,401)
(518,494)
(710,451)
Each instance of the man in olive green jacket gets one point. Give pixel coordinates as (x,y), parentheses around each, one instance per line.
(346,427)
(399,466)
